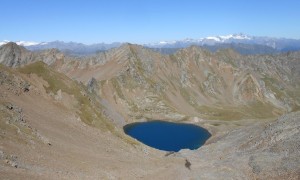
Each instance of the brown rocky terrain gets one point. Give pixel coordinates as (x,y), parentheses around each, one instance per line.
(191,82)
(62,116)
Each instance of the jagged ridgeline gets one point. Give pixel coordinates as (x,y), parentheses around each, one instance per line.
(137,82)
(63,116)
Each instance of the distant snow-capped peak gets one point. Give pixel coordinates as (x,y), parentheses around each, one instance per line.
(229,37)
(215,39)
(27,43)
(4,42)
(21,43)
(235,36)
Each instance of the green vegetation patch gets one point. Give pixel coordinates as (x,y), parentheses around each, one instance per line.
(270,83)
(87,112)
(255,110)
(55,80)
(117,88)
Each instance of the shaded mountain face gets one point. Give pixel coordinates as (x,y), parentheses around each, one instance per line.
(13,55)
(139,83)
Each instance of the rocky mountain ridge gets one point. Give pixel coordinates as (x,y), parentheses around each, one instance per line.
(211,85)
(62,116)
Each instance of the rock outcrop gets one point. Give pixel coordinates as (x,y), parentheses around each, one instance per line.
(13,55)
(260,151)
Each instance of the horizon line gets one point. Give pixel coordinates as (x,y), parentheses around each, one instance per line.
(148,43)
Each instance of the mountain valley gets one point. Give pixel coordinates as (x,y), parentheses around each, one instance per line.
(62,115)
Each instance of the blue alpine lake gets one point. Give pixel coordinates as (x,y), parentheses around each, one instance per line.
(168,136)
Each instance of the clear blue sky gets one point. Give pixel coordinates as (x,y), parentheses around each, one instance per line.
(141,21)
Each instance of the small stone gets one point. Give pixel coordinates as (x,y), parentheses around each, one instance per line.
(1,154)
(10,106)
(14,164)
(26,87)
(188,164)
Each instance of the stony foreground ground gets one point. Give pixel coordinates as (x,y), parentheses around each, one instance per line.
(40,139)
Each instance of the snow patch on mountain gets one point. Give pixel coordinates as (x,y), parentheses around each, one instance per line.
(21,43)
(27,43)
(4,42)
(214,38)
(207,40)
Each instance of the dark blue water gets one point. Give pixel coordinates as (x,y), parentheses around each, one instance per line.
(168,136)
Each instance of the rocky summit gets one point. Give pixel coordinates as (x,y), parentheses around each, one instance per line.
(62,116)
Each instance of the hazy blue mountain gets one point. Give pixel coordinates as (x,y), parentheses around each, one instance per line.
(279,44)
(241,43)
(245,49)
(73,47)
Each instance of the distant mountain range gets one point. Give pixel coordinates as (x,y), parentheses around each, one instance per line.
(241,43)
(67,113)
(281,44)
(72,48)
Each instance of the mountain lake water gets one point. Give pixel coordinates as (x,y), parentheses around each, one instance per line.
(168,136)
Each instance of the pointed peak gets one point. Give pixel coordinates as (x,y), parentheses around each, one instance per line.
(129,47)
(10,44)
(20,43)
(13,55)
(13,46)
(124,45)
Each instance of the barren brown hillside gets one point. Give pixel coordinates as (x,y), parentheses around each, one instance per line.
(61,117)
